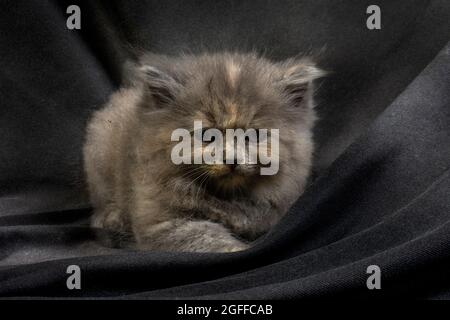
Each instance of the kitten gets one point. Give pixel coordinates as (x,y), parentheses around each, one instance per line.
(136,188)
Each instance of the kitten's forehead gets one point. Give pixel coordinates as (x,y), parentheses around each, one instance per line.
(233,70)
(226,114)
(235,91)
(222,90)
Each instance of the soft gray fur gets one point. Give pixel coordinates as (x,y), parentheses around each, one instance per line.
(134,186)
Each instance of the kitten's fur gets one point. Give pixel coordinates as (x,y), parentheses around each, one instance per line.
(134,186)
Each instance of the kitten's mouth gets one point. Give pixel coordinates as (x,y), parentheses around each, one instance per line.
(223,180)
(230,180)
(232,172)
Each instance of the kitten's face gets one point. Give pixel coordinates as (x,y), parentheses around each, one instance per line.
(231,92)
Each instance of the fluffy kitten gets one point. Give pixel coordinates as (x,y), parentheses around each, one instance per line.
(136,188)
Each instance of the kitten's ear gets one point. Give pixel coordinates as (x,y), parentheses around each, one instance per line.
(296,80)
(161,86)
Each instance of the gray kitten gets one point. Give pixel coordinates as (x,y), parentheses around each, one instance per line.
(134,186)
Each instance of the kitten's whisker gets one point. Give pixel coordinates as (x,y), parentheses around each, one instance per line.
(190,173)
(195,169)
(193,181)
(201,185)
(178,185)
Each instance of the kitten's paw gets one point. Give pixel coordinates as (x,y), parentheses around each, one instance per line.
(236,247)
(110,220)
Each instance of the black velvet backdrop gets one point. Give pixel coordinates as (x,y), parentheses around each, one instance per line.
(381,193)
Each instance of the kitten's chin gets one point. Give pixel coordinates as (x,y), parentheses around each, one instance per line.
(232,181)
(230,185)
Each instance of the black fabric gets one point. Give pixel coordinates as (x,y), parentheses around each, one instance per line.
(382,182)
